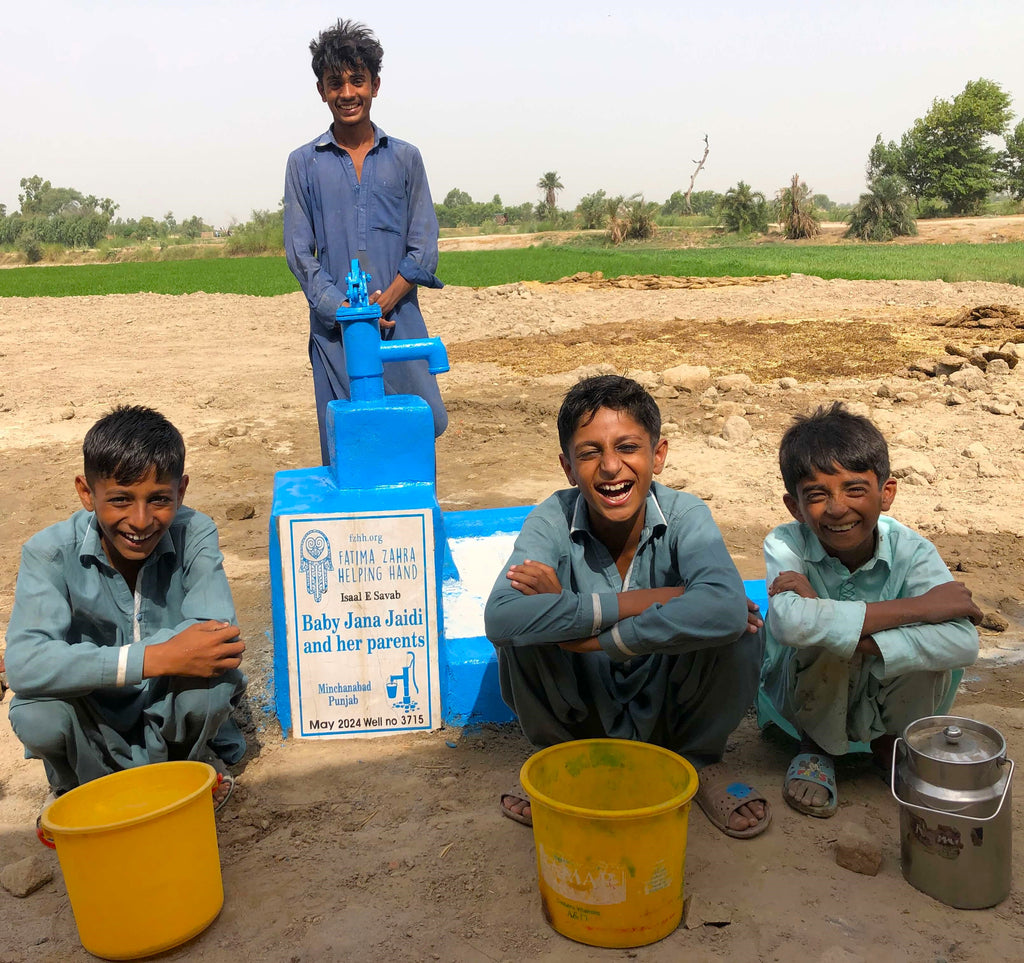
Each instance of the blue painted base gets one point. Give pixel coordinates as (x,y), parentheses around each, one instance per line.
(469,667)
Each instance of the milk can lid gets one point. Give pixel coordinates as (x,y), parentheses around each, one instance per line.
(954,739)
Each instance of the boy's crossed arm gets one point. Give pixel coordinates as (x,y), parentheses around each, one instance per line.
(536,578)
(925,628)
(941,603)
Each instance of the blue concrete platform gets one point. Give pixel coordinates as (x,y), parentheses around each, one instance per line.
(469,668)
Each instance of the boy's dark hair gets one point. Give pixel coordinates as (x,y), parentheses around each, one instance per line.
(126,443)
(606,391)
(346,46)
(828,437)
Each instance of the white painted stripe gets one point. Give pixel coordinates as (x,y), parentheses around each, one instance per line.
(619,644)
(596,627)
(122,665)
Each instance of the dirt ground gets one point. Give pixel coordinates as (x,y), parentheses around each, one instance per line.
(393,849)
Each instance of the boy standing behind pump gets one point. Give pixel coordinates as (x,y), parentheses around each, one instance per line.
(355,192)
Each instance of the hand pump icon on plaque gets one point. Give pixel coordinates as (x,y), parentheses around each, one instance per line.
(407,679)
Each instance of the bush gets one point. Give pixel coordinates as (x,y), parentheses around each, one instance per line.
(744,211)
(31,247)
(883,213)
(633,220)
(796,210)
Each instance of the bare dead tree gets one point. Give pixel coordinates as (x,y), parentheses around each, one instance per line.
(693,176)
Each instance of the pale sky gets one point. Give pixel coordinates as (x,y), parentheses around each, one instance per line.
(194,106)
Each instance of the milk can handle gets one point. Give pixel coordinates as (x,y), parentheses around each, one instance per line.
(939,812)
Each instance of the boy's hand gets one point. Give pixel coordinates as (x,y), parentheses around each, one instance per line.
(950,600)
(201,651)
(754,620)
(534,578)
(792,582)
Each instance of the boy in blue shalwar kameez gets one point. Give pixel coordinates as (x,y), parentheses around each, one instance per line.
(620,613)
(122,647)
(355,192)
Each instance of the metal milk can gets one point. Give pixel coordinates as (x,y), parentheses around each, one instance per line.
(952,780)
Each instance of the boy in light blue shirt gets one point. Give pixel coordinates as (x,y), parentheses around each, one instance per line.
(865,621)
(122,647)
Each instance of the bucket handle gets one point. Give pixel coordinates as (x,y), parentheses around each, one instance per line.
(939,812)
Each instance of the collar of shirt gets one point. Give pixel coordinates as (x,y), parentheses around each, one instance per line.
(580,523)
(92,545)
(815,551)
(327,141)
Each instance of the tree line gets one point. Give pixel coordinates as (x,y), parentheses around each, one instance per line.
(66,217)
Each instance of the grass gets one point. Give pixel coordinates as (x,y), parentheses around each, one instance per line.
(265,276)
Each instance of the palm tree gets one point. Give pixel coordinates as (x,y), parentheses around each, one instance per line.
(743,210)
(796,210)
(550,185)
(882,213)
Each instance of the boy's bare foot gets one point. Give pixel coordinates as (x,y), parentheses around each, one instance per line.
(810,785)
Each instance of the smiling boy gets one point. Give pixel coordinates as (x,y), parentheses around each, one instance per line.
(865,621)
(122,647)
(620,612)
(355,192)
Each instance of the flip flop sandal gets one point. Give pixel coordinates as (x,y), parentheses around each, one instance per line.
(224,778)
(519,793)
(818,768)
(719,795)
(41,834)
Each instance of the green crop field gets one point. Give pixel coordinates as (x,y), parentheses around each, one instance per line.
(265,276)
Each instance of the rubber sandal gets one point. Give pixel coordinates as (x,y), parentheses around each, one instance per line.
(41,834)
(720,794)
(223,777)
(816,767)
(517,792)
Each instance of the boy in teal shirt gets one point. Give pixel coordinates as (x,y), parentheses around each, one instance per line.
(865,621)
(122,646)
(620,612)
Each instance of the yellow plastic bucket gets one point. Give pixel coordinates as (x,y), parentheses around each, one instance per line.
(138,850)
(609,826)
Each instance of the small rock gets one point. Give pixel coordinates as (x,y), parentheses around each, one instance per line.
(67,414)
(715,442)
(787,384)
(25,876)
(907,462)
(987,469)
(687,377)
(998,367)
(994,622)
(885,390)
(956,398)
(240,511)
(975,450)
(915,479)
(734,382)
(737,430)
(969,379)
(909,439)
(664,391)
(906,397)
(858,850)
(1000,407)
(859,408)
(727,409)
(926,366)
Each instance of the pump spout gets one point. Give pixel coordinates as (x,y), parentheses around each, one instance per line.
(430,348)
